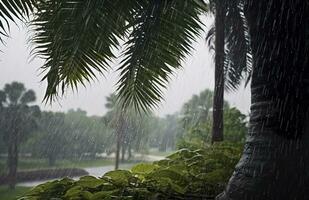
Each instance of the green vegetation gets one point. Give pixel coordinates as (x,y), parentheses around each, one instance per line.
(18,119)
(191,174)
(7,194)
(196,120)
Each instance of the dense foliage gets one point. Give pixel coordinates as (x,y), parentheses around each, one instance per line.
(196,120)
(186,174)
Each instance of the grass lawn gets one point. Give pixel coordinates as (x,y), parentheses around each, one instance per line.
(32,164)
(6,194)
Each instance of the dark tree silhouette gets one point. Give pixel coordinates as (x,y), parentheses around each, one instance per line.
(17,120)
(275,160)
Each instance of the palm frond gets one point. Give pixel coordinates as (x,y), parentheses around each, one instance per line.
(238,58)
(238,62)
(161,37)
(12,10)
(77,39)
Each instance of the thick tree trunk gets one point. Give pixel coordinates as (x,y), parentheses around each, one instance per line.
(217,128)
(12,160)
(275,160)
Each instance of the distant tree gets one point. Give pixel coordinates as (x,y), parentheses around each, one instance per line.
(197,120)
(117,122)
(131,128)
(51,140)
(235,125)
(71,135)
(18,119)
(171,128)
(88,135)
(197,109)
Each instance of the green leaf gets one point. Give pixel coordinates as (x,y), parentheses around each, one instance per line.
(143,168)
(119,177)
(162,35)
(90,182)
(103,194)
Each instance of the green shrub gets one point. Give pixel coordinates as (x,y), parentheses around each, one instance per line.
(186,174)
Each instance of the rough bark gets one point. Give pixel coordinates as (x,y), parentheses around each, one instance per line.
(275,160)
(217,128)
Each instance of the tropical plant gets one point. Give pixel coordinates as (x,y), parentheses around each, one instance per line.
(229,39)
(274,162)
(196,120)
(197,109)
(12,11)
(279,43)
(186,174)
(17,120)
(79,38)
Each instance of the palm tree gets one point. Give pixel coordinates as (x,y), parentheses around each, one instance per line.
(278,109)
(217,127)
(77,39)
(229,39)
(117,121)
(275,159)
(93,50)
(17,120)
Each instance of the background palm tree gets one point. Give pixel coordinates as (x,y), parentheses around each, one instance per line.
(229,39)
(17,120)
(217,126)
(116,119)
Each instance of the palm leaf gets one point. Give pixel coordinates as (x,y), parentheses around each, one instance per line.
(161,37)
(77,39)
(238,62)
(238,59)
(12,10)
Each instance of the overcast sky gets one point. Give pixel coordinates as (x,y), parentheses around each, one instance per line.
(197,74)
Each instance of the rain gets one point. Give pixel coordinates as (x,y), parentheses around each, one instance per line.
(154,99)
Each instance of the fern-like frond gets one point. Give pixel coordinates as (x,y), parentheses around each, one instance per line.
(78,38)
(12,10)
(161,38)
(238,58)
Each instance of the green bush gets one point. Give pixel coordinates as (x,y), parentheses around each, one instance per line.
(186,174)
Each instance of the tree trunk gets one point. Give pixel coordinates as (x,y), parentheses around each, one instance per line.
(129,152)
(12,160)
(217,128)
(123,152)
(119,135)
(275,160)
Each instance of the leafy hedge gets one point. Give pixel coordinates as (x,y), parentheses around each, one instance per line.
(186,174)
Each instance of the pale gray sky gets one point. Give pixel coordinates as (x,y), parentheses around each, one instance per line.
(196,75)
